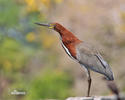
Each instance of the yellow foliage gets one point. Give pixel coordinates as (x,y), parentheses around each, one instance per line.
(7,64)
(46,2)
(85,8)
(58,1)
(122,28)
(34,5)
(47,40)
(122,15)
(31,5)
(30,37)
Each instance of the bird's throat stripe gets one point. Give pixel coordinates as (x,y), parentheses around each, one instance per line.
(67,51)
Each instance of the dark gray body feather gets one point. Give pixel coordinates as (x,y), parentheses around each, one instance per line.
(91,59)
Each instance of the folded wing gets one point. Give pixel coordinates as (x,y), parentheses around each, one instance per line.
(89,57)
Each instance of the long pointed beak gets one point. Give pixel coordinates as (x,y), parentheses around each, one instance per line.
(41,24)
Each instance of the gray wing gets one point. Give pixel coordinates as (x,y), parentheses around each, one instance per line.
(91,59)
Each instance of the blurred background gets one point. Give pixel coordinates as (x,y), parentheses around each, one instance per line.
(32,59)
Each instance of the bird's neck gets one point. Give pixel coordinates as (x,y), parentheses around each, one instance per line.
(69,41)
(66,36)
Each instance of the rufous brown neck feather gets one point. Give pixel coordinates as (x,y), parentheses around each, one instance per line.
(65,34)
(68,39)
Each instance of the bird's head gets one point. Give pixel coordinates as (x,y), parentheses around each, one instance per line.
(55,26)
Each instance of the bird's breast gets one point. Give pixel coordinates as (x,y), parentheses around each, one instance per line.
(70,50)
(69,44)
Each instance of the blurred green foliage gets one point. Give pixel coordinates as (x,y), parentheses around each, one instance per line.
(20,41)
(9,12)
(13,55)
(52,84)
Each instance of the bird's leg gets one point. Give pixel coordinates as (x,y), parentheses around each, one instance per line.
(89,83)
